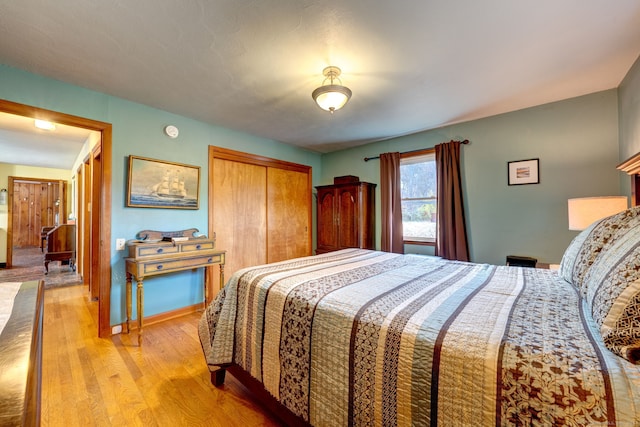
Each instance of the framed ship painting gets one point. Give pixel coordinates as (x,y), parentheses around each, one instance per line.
(160,184)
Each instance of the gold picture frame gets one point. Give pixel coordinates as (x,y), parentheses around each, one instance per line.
(156,183)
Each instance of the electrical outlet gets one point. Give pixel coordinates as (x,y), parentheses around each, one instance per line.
(120,244)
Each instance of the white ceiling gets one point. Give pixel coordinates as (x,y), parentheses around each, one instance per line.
(22,143)
(251,65)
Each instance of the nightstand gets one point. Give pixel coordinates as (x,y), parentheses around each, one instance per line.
(521,261)
(547,266)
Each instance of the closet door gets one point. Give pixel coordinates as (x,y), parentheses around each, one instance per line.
(238,214)
(259,208)
(288,215)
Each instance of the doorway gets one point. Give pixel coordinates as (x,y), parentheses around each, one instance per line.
(36,203)
(100,235)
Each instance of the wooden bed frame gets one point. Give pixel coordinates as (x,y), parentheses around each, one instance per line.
(631,167)
(262,395)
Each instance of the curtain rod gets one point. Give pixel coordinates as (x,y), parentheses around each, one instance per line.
(366,159)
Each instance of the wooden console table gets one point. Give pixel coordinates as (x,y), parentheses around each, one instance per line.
(154,258)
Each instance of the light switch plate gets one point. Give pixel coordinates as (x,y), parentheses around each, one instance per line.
(120,244)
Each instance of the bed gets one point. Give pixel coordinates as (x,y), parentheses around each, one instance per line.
(364,338)
(21,310)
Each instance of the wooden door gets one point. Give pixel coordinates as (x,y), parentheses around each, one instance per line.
(35,204)
(367,214)
(288,214)
(238,213)
(26,214)
(52,203)
(348,218)
(327,229)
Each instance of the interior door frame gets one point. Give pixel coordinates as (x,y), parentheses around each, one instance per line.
(79,176)
(95,218)
(104,231)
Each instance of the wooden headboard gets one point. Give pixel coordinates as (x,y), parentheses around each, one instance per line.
(631,167)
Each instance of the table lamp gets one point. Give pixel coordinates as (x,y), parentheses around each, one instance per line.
(585,211)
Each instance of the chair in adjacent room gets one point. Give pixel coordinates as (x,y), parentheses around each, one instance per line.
(61,246)
(43,236)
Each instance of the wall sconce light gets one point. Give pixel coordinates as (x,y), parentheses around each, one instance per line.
(3,196)
(331,97)
(586,210)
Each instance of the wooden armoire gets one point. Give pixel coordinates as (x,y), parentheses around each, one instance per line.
(260,209)
(345,215)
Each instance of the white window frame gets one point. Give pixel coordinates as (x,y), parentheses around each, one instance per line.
(419,157)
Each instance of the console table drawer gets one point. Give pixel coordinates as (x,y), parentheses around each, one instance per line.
(166,265)
(141,251)
(197,246)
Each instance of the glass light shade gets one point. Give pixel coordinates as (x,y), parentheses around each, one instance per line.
(586,210)
(331,97)
(3,196)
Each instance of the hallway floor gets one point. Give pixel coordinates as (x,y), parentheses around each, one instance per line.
(28,264)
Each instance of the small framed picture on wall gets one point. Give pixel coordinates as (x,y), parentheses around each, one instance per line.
(524,172)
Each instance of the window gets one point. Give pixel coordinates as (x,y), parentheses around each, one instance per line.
(419,196)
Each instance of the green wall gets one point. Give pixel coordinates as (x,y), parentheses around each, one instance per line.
(629,119)
(576,141)
(138,130)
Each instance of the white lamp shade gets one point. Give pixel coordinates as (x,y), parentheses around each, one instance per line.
(586,210)
(331,97)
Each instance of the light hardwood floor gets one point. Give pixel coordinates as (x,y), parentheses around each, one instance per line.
(89,381)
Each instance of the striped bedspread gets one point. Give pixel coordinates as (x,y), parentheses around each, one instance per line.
(367,338)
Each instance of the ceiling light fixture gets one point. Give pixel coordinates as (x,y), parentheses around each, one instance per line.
(331,97)
(45,125)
